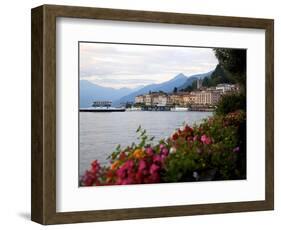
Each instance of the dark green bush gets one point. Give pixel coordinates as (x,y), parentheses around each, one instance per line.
(230,103)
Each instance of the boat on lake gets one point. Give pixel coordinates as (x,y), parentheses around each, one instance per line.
(133,109)
(102,106)
(179,109)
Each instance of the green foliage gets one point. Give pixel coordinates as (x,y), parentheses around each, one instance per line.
(191,87)
(217,156)
(230,103)
(233,61)
(218,76)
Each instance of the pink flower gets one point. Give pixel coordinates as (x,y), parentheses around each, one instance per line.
(129,164)
(195,138)
(128,180)
(157,158)
(165,151)
(149,151)
(121,172)
(142,165)
(153,169)
(205,139)
(88,178)
(92,176)
(125,169)
(162,146)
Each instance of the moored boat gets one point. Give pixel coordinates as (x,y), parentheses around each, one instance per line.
(133,109)
(102,106)
(102,109)
(179,109)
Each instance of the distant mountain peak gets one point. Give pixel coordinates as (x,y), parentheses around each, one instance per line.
(180,75)
(167,86)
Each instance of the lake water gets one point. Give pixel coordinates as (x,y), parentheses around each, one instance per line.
(100,133)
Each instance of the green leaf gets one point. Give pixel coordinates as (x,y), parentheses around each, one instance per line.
(143,132)
(138,129)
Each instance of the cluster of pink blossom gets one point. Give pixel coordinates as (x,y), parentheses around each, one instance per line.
(139,166)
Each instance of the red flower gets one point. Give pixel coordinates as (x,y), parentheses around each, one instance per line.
(88,179)
(122,156)
(95,166)
(175,136)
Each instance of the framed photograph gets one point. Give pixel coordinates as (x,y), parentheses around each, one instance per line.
(140,114)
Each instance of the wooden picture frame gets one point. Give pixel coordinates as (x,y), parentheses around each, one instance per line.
(43,208)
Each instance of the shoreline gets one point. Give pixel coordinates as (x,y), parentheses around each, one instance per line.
(115,111)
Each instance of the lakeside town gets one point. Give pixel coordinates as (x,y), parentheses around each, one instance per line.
(200,99)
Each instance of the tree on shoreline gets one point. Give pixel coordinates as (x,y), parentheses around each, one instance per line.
(234,62)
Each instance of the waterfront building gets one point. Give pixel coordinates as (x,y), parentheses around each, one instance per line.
(176,99)
(148,99)
(204,96)
(207,97)
(159,99)
(226,88)
(189,98)
(139,99)
(153,99)
(163,100)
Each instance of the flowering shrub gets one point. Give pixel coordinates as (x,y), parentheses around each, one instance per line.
(209,151)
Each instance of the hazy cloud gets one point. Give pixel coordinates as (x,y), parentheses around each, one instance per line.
(118,65)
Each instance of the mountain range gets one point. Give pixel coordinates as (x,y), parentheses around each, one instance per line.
(90,91)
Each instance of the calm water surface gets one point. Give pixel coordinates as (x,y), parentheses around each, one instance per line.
(100,133)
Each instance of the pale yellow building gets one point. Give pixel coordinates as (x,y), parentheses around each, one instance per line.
(139,99)
(189,98)
(176,99)
(207,97)
(148,99)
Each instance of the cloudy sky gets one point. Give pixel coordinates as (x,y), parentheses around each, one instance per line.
(118,65)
